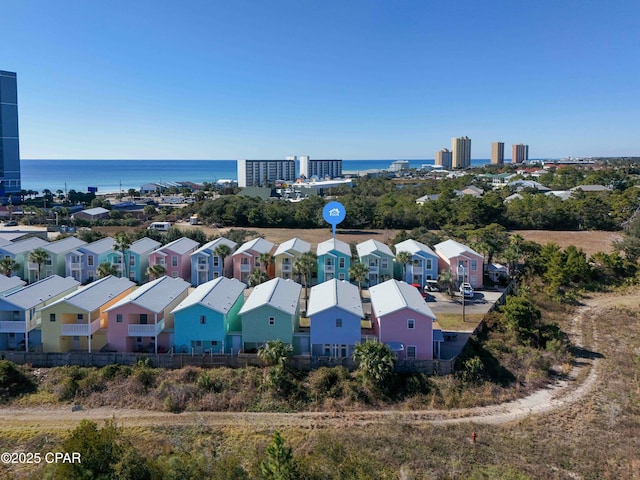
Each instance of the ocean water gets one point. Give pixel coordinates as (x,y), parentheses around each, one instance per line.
(116,175)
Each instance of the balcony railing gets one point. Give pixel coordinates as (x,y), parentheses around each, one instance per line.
(245,267)
(80,329)
(286,267)
(416,269)
(151,330)
(373,269)
(329,268)
(74,265)
(203,267)
(13,327)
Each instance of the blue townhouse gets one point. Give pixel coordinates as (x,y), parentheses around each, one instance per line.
(207,264)
(82,263)
(423,265)
(334,260)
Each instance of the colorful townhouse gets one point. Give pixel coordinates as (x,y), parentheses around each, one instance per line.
(143,320)
(402,320)
(20,316)
(335,312)
(78,321)
(207,264)
(423,265)
(247,258)
(378,258)
(272,312)
(206,320)
(175,257)
(56,263)
(464,263)
(19,253)
(286,255)
(10,284)
(82,263)
(137,261)
(334,260)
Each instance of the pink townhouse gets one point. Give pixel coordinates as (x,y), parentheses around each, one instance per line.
(143,320)
(465,264)
(175,257)
(247,258)
(402,320)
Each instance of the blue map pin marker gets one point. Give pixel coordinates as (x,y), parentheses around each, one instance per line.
(334,213)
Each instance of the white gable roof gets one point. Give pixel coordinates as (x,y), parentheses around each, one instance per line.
(372,246)
(295,245)
(211,246)
(96,294)
(335,293)
(413,247)
(392,295)
(155,296)
(40,291)
(100,246)
(333,244)
(145,244)
(259,245)
(219,295)
(180,246)
(451,248)
(278,293)
(24,245)
(64,245)
(9,283)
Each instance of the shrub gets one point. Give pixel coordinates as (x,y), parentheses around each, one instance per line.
(112,371)
(13,381)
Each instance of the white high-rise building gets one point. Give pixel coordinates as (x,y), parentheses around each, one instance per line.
(320,168)
(261,173)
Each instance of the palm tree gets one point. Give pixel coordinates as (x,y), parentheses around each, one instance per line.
(222,251)
(122,244)
(8,266)
(404,258)
(275,352)
(257,277)
(105,269)
(377,363)
(358,272)
(266,259)
(156,271)
(305,264)
(39,256)
(446,280)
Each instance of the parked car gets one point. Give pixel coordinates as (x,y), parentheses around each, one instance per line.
(10,223)
(466,290)
(432,286)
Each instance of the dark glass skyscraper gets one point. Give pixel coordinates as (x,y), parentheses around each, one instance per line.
(9,142)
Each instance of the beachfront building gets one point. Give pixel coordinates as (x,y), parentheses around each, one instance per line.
(378,258)
(334,260)
(464,263)
(19,253)
(247,258)
(137,261)
(402,320)
(423,265)
(207,264)
(9,141)
(78,321)
(82,263)
(20,311)
(319,168)
(143,320)
(57,251)
(286,255)
(335,312)
(207,321)
(460,152)
(263,173)
(175,257)
(272,312)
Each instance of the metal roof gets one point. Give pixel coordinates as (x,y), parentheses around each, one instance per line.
(40,291)
(371,246)
(145,244)
(413,247)
(24,245)
(155,296)
(99,246)
(95,211)
(335,293)
(451,248)
(392,295)
(211,246)
(333,244)
(8,283)
(64,245)
(294,245)
(219,295)
(281,294)
(180,246)
(96,294)
(259,245)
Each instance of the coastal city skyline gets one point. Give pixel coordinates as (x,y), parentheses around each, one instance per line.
(363,80)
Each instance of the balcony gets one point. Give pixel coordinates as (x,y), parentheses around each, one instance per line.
(416,269)
(244,267)
(373,269)
(74,266)
(80,329)
(151,330)
(203,267)
(286,267)
(329,268)
(13,327)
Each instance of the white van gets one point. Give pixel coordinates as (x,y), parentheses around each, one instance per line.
(160,226)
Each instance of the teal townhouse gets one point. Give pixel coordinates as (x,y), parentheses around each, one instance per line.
(334,260)
(378,258)
(208,320)
(137,259)
(19,253)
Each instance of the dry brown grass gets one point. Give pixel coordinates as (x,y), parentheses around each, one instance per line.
(590,241)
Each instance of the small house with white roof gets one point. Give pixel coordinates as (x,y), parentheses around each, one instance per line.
(378,258)
(82,263)
(56,263)
(423,265)
(175,257)
(464,263)
(207,263)
(19,252)
(334,260)
(286,255)
(247,258)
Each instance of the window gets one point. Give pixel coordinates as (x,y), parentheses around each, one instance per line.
(90,260)
(118,318)
(411,323)
(257,261)
(341,276)
(244,261)
(272,320)
(174,260)
(143,318)
(48,261)
(411,352)
(384,263)
(338,323)
(341,263)
(327,350)
(428,264)
(216,261)
(80,316)
(474,264)
(461,263)
(203,319)
(52,317)
(132,261)
(174,274)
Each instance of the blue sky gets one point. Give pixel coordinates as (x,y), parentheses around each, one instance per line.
(352,79)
